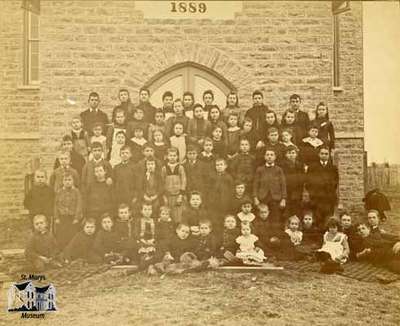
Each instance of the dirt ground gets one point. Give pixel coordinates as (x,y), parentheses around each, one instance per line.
(223,298)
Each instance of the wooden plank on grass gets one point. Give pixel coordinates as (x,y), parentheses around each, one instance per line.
(249,269)
(12,252)
(125,267)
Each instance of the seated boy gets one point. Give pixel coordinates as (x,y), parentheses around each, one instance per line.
(82,244)
(383,252)
(273,241)
(41,250)
(206,246)
(125,229)
(106,242)
(375,229)
(352,237)
(180,243)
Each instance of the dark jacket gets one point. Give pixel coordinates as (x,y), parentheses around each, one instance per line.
(41,245)
(149,111)
(295,179)
(98,199)
(269,181)
(322,181)
(194,176)
(242,167)
(177,247)
(90,118)
(258,114)
(326,132)
(81,246)
(40,200)
(106,242)
(124,182)
(206,247)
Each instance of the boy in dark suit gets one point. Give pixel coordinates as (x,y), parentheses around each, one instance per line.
(295,177)
(93,115)
(257,115)
(322,181)
(269,187)
(302,117)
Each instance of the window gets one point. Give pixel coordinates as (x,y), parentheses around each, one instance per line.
(336,44)
(31,48)
(338,7)
(192,77)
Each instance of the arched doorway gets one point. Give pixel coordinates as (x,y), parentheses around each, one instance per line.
(192,77)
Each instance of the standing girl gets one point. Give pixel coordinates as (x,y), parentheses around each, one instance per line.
(178,140)
(326,132)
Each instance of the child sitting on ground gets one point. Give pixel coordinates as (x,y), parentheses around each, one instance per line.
(106,241)
(146,235)
(194,213)
(335,249)
(82,245)
(383,252)
(249,252)
(351,232)
(274,241)
(164,229)
(374,224)
(180,243)
(206,245)
(124,227)
(41,250)
(293,230)
(230,234)
(311,235)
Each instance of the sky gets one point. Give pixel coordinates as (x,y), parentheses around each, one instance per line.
(381,24)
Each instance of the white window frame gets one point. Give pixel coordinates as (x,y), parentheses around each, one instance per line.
(28,41)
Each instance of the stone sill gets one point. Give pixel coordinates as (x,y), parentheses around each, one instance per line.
(337,89)
(20,136)
(349,135)
(28,87)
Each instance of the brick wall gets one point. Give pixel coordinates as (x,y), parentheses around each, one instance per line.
(278,47)
(19,112)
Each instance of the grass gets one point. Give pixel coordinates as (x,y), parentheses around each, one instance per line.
(221,298)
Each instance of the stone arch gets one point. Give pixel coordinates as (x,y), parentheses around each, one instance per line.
(167,56)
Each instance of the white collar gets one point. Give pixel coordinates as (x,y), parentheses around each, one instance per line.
(233,128)
(314,142)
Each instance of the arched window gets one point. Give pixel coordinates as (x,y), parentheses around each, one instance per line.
(192,77)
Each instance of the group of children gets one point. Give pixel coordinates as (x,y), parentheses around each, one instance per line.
(235,185)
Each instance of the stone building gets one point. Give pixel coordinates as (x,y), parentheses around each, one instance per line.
(279,47)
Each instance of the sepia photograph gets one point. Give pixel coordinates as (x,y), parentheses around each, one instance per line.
(199,162)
